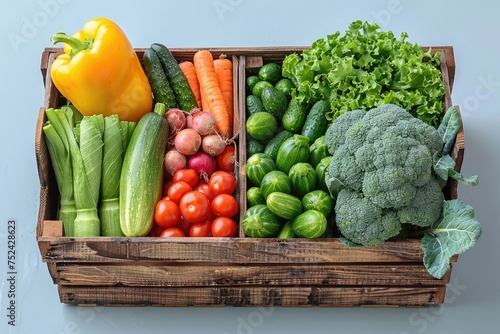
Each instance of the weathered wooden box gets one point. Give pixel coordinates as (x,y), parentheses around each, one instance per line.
(238,271)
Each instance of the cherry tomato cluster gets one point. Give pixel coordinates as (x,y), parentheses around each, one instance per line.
(195,207)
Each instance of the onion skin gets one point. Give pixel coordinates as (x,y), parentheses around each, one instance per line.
(174,161)
(201,121)
(176,120)
(202,163)
(187,141)
(213,145)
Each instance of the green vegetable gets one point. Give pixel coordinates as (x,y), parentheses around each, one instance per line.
(318,200)
(284,205)
(275,181)
(382,173)
(295,116)
(320,170)
(318,151)
(274,144)
(254,146)
(454,233)
(287,231)
(251,81)
(60,155)
(258,165)
(259,87)
(260,222)
(254,196)
(253,105)
(309,224)
(162,90)
(183,93)
(141,175)
(274,101)
(293,150)
(316,122)
(261,125)
(367,67)
(270,72)
(285,86)
(303,178)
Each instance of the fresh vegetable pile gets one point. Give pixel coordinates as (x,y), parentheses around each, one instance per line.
(124,169)
(357,146)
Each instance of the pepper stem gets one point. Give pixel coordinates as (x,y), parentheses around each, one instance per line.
(75,44)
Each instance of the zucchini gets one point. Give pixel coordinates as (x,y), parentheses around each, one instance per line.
(284,205)
(320,170)
(316,123)
(183,93)
(318,200)
(162,91)
(309,224)
(142,172)
(261,125)
(294,149)
(254,196)
(274,144)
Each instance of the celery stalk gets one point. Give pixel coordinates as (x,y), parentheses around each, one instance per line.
(113,150)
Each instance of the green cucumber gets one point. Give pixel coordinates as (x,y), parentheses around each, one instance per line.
(257,166)
(286,231)
(295,116)
(274,144)
(275,181)
(254,146)
(274,101)
(309,224)
(294,149)
(320,170)
(253,105)
(303,178)
(254,196)
(162,91)
(142,173)
(183,93)
(318,200)
(260,222)
(318,151)
(316,123)
(284,205)
(261,125)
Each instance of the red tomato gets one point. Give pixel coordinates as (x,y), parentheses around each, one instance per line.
(177,190)
(222,182)
(172,232)
(167,213)
(156,230)
(195,207)
(205,189)
(223,227)
(224,205)
(184,225)
(225,160)
(201,229)
(187,175)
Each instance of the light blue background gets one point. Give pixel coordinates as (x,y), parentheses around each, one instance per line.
(472,28)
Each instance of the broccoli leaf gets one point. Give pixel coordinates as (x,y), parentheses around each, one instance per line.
(455,233)
(445,167)
(448,128)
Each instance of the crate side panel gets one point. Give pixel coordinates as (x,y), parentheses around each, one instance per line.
(254,296)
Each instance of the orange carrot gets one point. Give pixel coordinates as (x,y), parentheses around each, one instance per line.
(187,68)
(224,71)
(209,87)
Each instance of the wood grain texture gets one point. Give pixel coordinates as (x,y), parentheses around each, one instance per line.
(254,296)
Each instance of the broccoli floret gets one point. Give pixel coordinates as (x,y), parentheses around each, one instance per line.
(425,208)
(361,221)
(383,158)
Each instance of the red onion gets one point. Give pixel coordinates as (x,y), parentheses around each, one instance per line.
(202,163)
(201,121)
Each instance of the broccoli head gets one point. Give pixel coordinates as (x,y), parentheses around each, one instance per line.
(383,160)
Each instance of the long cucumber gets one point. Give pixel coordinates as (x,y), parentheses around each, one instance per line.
(142,172)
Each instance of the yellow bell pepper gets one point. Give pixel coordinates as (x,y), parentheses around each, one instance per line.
(100,73)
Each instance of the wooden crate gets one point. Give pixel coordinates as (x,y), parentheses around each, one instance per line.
(238,271)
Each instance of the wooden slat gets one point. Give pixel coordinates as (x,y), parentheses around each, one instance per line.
(254,296)
(225,250)
(179,275)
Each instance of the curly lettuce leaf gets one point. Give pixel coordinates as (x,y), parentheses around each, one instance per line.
(455,233)
(367,67)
